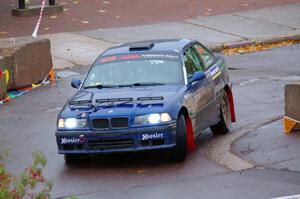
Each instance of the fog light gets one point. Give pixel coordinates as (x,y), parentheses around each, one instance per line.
(61,123)
(165,117)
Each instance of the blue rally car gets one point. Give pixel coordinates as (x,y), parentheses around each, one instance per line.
(148,95)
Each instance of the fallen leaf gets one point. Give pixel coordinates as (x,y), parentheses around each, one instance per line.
(245,4)
(53,17)
(209,10)
(3,32)
(66,9)
(85,22)
(257,47)
(73,19)
(102,11)
(117,17)
(106,2)
(207,13)
(47,28)
(76,2)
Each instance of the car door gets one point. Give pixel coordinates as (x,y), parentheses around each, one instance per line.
(202,91)
(214,73)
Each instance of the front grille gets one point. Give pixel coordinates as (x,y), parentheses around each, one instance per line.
(110,144)
(100,123)
(119,122)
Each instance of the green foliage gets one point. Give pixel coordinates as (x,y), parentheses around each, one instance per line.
(29,184)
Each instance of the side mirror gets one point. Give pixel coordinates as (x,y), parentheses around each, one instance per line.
(75,83)
(197,76)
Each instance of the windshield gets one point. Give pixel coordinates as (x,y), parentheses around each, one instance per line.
(135,70)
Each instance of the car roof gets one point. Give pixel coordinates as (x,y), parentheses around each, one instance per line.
(162,45)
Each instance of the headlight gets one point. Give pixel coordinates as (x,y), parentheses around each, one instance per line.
(71,123)
(154,118)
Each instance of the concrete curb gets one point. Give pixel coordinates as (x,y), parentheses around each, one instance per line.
(255,41)
(220,149)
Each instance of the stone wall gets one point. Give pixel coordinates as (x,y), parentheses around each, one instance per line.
(28,61)
(2,79)
(292,103)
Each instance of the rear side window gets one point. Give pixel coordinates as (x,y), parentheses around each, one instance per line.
(205,55)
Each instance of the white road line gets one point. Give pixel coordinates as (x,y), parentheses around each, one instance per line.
(289,197)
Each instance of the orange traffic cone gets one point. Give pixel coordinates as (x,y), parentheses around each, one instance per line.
(289,124)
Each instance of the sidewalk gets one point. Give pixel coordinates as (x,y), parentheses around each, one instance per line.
(81,48)
(81,15)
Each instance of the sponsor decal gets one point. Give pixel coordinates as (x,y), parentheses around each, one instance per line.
(81,139)
(165,56)
(119,58)
(214,72)
(114,58)
(108,59)
(129,57)
(69,140)
(147,136)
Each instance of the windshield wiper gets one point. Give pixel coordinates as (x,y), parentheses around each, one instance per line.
(147,84)
(99,86)
(141,84)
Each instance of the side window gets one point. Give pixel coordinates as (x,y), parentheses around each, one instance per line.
(192,63)
(205,55)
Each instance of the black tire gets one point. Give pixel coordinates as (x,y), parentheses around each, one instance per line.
(71,158)
(179,153)
(223,126)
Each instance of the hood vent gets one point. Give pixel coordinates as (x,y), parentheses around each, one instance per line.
(150,105)
(80,102)
(149,98)
(128,99)
(114,100)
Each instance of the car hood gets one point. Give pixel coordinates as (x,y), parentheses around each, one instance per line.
(123,101)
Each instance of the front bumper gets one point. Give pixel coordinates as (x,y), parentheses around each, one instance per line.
(121,140)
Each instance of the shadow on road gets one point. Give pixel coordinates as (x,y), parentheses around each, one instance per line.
(137,159)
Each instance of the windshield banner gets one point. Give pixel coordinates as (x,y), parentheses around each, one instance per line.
(129,57)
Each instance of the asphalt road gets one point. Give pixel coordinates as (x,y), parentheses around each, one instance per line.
(29,122)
